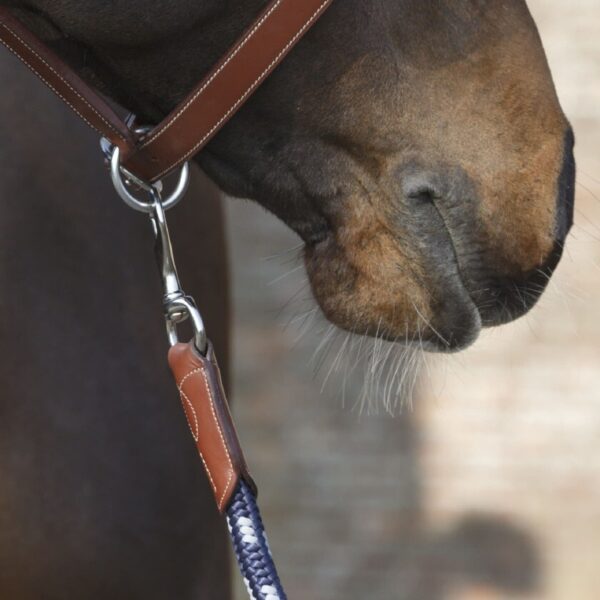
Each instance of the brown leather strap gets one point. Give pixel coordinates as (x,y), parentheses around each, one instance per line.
(63,81)
(206,109)
(201,391)
(232,81)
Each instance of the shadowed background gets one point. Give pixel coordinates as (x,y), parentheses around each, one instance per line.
(488,486)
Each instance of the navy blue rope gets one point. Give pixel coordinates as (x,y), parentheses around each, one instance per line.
(251,546)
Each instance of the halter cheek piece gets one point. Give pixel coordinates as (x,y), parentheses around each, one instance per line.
(139,158)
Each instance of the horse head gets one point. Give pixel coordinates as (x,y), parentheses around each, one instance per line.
(417,147)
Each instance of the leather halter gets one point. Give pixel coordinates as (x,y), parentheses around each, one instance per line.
(191,125)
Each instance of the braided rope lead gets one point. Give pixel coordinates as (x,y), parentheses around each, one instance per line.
(251,546)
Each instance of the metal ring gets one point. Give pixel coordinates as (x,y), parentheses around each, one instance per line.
(180,309)
(118,173)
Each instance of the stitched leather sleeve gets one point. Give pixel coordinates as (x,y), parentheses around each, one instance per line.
(203,399)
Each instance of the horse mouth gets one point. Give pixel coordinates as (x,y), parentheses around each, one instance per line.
(391,301)
(443,312)
(503,300)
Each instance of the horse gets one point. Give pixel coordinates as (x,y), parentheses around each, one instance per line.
(419,151)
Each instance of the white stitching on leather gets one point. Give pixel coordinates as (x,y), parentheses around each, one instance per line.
(39,74)
(44,80)
(202,370)
(195,430)
(244,95)
(242,43)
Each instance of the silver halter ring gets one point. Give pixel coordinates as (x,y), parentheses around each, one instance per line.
(123,180)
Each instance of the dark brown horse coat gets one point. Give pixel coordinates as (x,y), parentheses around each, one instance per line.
(101,493)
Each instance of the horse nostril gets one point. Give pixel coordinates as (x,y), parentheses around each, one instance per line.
(566,190)
(421,185)
(424,195)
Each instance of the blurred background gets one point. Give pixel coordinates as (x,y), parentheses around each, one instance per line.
(486,484)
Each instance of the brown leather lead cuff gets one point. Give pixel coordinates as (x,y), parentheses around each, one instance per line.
(201,390)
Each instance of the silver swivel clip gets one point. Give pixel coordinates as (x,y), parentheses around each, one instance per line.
(177,305)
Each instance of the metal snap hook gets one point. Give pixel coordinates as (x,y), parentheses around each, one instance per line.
(122,180)
(180,309)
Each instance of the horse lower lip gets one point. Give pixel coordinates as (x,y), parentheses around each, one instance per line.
(460,336)
(459,322)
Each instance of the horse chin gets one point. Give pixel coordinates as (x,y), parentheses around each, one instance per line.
(393,304)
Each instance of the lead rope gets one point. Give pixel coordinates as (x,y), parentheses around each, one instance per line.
(242,513)
(251,546)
